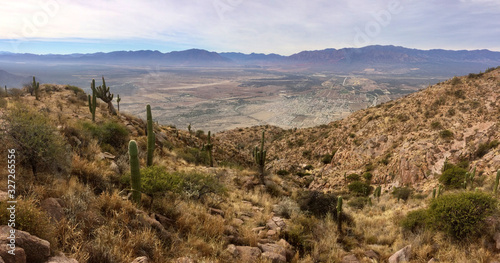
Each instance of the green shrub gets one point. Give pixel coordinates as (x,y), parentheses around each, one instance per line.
(461,215)
(317,203)
(415,220)
(327,158)
(193,155)
(353,177)
(403,193)
(360,188)
(358,202)
(198,185)
(436,125)
(308,167)
(155,181)
(446,134)
(453,177)
(484,148)
(109,133)
(282,172)
(40,145)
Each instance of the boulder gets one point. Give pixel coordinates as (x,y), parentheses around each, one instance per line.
(402,255)
(53,208)
(244,254)
(274,257)
(141,260)
(276,223)
(61,259)
(18,257)
(37,250)
(350,259)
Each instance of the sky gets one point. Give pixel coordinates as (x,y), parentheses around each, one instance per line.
(262,26)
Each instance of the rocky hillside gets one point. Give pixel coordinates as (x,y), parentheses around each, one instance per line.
(405,141)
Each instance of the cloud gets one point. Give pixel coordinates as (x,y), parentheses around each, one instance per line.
(257,25)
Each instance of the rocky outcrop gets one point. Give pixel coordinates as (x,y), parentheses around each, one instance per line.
(402,255)
(37,250)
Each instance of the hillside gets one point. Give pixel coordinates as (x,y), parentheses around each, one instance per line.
(367,188)
(406,139)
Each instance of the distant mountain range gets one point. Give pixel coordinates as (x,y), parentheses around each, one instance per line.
(369,60)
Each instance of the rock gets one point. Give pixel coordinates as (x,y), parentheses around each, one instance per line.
(275,258)
(237,222)
(214,211)
(184,260)
(433,260)
(53,208)
(262,234)
(3,196)
(244,254)
(271,233)
(164,221)
(37,250)
(350,259)
(114,167)
(275,223)
(496,237)
(290,252)
(401,256)
(258,229)
(143,259)
(106,155)
(61,259)
(1,260)
(372,254)
(18,257)
(273,248)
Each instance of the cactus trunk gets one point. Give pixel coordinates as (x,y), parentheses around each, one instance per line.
(92,100)
(151,136)
(209,147)
(135,176)
(260,158)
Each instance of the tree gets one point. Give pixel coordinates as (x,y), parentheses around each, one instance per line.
(38,142)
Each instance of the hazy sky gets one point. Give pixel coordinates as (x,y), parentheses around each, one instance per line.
(261,26)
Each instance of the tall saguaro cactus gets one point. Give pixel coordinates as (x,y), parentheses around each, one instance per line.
(135,175)
(260,158)
(209,146)
(92,100)
(118,99)
(151,136)
(377,192)
(103,93)
(339,214)
(35,87)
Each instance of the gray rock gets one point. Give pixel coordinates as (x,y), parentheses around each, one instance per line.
(244,254)
(402,255)
(274,257)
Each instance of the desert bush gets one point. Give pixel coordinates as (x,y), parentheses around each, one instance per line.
(453,177)
(461,215)
(198,185)
(360,188)
(353,177)
(3,102)
(111,135)
(402,193)
(327,158)
(446,134)
(42,147)
(156,181)
(286,208)
(358,202)
(317,203)
(454,81)
(282,172)
(484,148)
(436,125)
(193,155)
(415,220)
(29,218)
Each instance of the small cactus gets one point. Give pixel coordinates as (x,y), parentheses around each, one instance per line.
(118,99)
(339,214)
(209,146)
(135,175)
(377,192)
(35,87)
(471,177)
(497,179)
(6,93)
(433,193)
(189,128)
(92,100)
(260,158)
(440,190)
(151,136)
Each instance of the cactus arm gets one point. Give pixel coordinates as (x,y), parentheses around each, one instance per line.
(497,180)
(339,214)
(209,148)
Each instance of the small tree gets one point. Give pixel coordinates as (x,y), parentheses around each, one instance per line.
(42,147)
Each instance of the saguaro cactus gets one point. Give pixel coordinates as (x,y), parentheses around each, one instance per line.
(497,179)
(35,87)
(135,175)
(103,93)
(377,192)
(118,99)
(260,157)
(339,214)
(92,100)
(151,136)
(471,177)
(433,193)
(209,146)
(6,93)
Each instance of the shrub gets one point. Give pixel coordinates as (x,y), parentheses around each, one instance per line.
(455,81)
(415,220)
(358,202)
(327,158)
(360,188)
(453,177)
(436,125)
(308,167)
(402,193)
(353,177)
(155,181)
(198,185)
(317,203)
(109,133)
(461,215)
(446,134)
(282,172)
(193,155)
(33,135)
(484,148)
